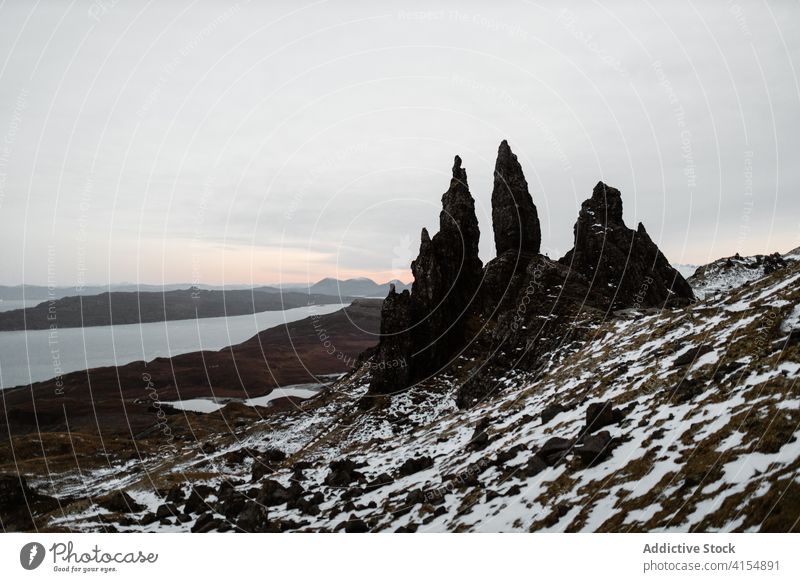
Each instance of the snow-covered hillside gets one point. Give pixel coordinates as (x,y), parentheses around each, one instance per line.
(693,422)
(732,272)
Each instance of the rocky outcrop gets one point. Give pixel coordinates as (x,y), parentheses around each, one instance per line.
(522,305)
(514,217)
(614,257)
(421,331)
(728,273)
(391,361)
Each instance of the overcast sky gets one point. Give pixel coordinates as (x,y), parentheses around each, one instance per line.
(179,141)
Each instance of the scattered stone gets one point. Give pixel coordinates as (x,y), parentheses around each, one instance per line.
(691,355)
(379,481)
(353,492)
(166,510)
(253,518)
(267,463)
(534,466)
(687,389)
(551,412)
(355,525)
(175,495)
(414,465)
(504,457)
(343,473)
(600,414)
(415,497)
(480,438)
(273,493)
(119,502)
(195,503)
(205,523)
(148,518)
(594,449)
(297,470)
(554,450)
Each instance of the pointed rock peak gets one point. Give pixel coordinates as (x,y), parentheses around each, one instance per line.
(433,318)
(613,256)
(604,191)
(605,204)
(514,217)
(459,173)
(458,211)
(504,152)
(507,163)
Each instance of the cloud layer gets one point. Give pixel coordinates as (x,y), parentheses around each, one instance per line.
(201,141)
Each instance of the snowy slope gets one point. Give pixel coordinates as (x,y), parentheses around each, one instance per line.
(730,273)
(705,438)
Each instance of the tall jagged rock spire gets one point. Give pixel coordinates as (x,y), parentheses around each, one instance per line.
(619,260)
(514,216)
(447,274)
(523,305)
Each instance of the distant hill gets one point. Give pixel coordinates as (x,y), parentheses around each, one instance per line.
(360,287)
(122,307)
(42,292)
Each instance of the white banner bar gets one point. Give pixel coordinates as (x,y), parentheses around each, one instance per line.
(385,557)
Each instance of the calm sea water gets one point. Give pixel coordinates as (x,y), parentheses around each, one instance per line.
(38,355)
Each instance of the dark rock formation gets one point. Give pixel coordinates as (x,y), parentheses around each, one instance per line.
(517,234)
(614,257)
(522,306)
(447,274)
(422,331)
(514,217)
(393,354)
